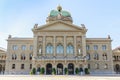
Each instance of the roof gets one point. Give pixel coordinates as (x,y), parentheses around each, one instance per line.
(2,49)
(54,13)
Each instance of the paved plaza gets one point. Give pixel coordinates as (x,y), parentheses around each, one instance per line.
(57,77)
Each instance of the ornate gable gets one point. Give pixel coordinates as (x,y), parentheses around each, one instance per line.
(59,26)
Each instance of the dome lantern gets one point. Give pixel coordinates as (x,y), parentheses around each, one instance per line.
(59,8)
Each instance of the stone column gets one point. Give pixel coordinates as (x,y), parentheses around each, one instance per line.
(54,41)
(84,45)
(35,46)
(64,45)
(43,53)
(75,54)
(84,49)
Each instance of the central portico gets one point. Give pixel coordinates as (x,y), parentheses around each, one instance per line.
(59,44)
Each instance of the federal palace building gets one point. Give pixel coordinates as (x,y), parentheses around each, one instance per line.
(59,44)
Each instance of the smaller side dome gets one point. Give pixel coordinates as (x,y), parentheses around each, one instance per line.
(66,13)
(54,13)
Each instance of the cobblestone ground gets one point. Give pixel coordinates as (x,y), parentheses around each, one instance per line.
(56,77)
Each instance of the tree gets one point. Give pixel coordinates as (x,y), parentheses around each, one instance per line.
(33,71)
(42,70)
(87,71)
(66,71)
(76,71)
(53,71)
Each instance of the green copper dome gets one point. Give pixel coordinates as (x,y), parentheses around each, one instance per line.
(64,13)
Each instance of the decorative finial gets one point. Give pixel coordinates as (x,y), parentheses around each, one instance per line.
(9,36)
(109,37)
(59,8)
(36,25)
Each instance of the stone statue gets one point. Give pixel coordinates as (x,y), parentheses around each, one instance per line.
(36,25)
(79,51)
(40,51)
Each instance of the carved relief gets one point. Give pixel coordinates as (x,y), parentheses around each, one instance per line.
(79,39)
(49,39)
(40,39)
(60,39)
(70,39)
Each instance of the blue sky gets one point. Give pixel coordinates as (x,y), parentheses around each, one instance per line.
(101,17)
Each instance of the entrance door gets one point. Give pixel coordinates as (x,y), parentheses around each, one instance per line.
(60,69)
(117,68)
(49,69)
(70,68)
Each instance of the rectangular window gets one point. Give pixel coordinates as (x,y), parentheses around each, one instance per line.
(30,66)
(103,47)
(13,66)
(31,47)
(22,66)
(87,47)
(95,47)
(23,47)
(88,66)
(14,47)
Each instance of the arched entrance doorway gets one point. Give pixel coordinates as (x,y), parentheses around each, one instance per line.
(0,68)
(117,68)
(49,69)
(60,69)
(38,69)
(70,68)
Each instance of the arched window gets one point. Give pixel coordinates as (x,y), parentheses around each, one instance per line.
(88,66)
(96,66)
(23,57)
(104,56)
(60,48)
(105,66)
(13,66)
(49,49)
(30,56)
(117,58)
(88,56)
(14,57)
(70,49)
(96,56)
